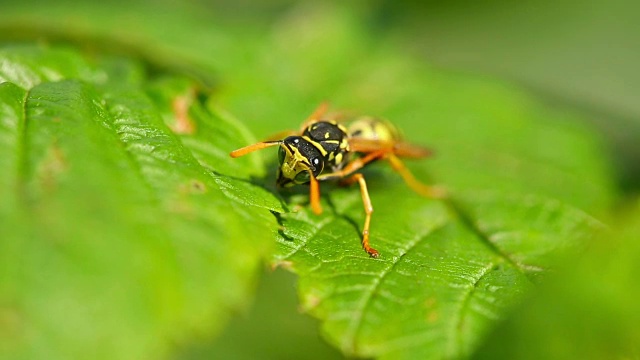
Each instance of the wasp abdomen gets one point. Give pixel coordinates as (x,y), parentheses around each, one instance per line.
(373,129)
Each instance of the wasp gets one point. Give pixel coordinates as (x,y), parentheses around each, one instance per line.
(325,149)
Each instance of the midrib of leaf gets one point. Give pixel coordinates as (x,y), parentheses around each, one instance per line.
(468,222)
(14,183)
(21,148)
(456,341)
(11,191)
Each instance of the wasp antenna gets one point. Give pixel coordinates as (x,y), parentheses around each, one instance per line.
(251,148)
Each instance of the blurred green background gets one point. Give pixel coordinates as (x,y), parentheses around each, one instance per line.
(577,55)
(581,54)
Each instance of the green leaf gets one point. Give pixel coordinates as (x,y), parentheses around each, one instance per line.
(588,312)
(119,236)
(521,178)
(524,178)
(442,281)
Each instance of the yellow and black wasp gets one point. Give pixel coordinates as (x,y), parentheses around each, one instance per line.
(325,149)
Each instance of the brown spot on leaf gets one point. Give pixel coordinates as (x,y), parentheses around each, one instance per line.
(10,323)
(192,187)
(180,202)
(432,316)
(198,187)
(310,302)
(285,264)
(430,302)
(431,305)
(52,167)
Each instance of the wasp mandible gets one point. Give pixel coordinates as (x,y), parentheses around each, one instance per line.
(325,149)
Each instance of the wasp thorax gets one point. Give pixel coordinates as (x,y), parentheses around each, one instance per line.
(299,159)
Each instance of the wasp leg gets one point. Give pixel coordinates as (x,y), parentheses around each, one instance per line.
(433,192)
(353,166)
(366,200)
(347,181)
(368,209)
(314,195)
(398,148)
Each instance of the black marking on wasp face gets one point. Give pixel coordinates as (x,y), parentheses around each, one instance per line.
(298,158)
(332,141)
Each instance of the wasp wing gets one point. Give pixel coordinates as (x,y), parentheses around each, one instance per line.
(400,149)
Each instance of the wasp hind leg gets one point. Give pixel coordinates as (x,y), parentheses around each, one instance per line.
(433,192)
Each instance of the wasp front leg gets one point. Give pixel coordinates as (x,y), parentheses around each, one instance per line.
(314,195)
(368,209)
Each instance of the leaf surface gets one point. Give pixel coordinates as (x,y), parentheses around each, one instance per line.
(590,311)
(523,178)
(117,238)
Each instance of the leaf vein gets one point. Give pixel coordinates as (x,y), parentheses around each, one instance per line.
(309,238)
(464,304)
(22,147)
(349,342)
(467,220)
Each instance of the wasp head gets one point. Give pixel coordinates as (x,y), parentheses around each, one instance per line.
(299,160)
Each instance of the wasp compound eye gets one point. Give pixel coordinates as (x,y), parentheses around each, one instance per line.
(317,165)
